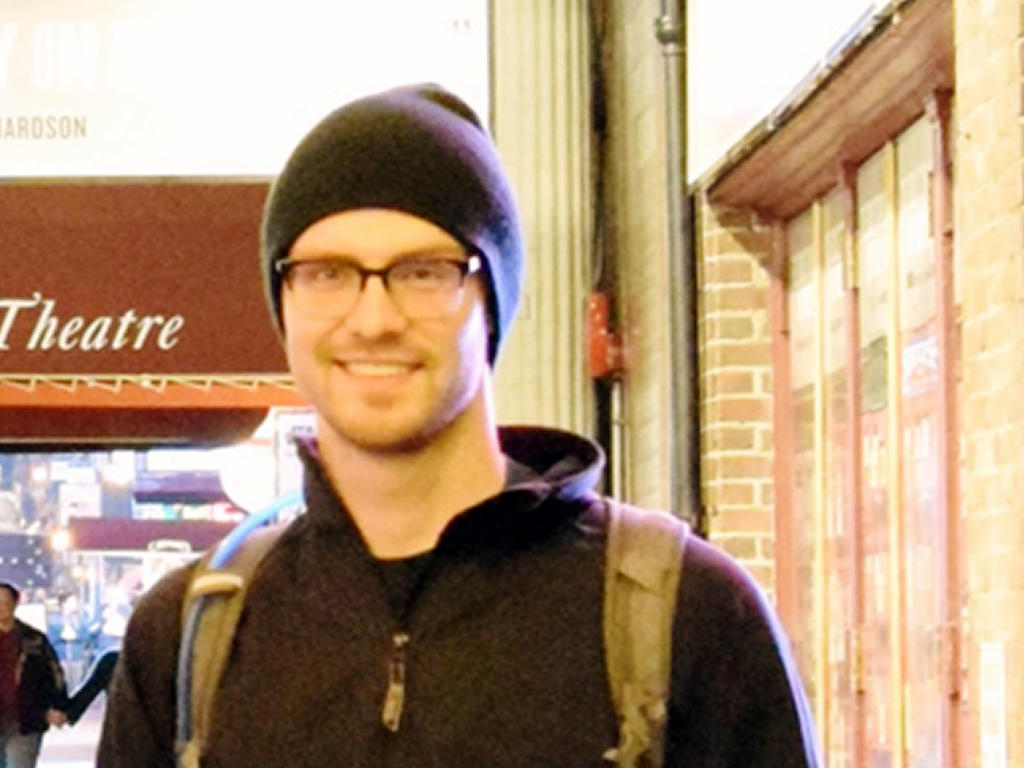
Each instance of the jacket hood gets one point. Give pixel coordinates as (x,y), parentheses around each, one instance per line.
(564,463)
(561,467)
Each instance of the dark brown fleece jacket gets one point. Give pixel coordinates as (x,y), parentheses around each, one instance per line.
(501,644)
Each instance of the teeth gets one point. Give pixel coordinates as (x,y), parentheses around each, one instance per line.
(377,369)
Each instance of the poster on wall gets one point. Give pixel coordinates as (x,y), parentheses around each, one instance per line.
(992,682)
(149,87)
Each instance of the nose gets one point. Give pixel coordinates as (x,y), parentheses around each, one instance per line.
(375,312)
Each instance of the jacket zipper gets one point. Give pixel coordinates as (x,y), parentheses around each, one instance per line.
(394,699)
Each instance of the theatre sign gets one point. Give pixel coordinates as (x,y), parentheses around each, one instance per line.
(138,298)
(78,332)
(133,278)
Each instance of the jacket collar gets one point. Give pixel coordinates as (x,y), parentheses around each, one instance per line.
(559,467)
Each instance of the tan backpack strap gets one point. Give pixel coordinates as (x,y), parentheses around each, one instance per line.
(210,614)
(643,566)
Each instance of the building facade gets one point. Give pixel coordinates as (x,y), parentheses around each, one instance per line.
(861,273)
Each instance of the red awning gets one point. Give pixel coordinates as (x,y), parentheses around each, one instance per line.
(146,279)
(99,533)
(135,313)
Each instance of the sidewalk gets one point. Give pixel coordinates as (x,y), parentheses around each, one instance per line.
(74,746)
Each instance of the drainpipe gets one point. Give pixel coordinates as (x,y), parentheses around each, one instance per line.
(670,30)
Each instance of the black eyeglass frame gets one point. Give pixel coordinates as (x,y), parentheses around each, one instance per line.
(471,266)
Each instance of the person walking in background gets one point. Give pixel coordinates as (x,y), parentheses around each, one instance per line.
(32,687)
(439,603)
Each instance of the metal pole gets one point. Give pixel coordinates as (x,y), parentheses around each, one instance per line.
(670,30)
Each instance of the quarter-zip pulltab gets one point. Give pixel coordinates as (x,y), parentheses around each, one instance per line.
(394,699)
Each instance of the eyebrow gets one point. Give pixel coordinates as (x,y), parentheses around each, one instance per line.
(454,250)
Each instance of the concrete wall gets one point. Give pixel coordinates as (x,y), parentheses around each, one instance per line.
(735,343)
(637,242)
(541,123)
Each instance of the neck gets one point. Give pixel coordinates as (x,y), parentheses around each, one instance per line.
(402,501)
(6,625)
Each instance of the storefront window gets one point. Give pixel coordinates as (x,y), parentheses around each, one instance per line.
(802,308)
(84,533)
(921,399)
(873,254)
(865,422)
(840,540)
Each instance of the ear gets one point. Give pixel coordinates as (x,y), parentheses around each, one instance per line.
(492,335)
(491,316)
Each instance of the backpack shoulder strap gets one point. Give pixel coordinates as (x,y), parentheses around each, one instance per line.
(210,613)
(643,565)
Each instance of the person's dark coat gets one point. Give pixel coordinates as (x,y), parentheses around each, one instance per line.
(40,679)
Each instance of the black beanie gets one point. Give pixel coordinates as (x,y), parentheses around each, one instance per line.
(417,149)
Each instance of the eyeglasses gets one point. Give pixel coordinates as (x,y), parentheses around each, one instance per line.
(422,287)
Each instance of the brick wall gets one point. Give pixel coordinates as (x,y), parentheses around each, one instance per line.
(736,385)
(989,245)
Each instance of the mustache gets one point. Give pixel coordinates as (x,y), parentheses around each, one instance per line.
(378,351)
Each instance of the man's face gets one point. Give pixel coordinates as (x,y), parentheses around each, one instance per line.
(7,606)
(380,380)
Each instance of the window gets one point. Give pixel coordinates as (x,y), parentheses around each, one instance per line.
(868,399)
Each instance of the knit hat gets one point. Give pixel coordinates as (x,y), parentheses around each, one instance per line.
(417,149)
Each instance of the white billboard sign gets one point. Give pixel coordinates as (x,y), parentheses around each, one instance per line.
(201,88)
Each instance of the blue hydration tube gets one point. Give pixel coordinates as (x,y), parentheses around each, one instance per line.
(223,553)
(230,543)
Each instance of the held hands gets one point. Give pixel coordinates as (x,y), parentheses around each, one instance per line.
(56,718)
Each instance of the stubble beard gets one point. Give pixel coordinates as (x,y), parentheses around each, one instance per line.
(398,433)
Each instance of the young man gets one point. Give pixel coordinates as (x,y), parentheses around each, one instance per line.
(32,688)
(440,601)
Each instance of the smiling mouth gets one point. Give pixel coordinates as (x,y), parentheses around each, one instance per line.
(380,370)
